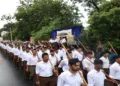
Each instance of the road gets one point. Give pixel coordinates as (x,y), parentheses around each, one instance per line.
(9,75)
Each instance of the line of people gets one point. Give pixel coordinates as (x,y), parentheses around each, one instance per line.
(51,66)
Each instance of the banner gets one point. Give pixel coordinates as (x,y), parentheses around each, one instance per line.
(64,32)
(75,31)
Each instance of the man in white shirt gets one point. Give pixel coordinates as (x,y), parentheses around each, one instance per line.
(71,77)
(31,63)
(115,69)
(64,65)
(106,63)
(62,40)
(44,72)
(96,77)
(77,54)
(39,53)
(58,55)
(51,40)
(88,63)
(62,53)
(54,60)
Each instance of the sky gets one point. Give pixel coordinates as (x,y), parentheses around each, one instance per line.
(10,6)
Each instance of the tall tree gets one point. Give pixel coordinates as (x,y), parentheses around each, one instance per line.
(94,4)
(33,16)
(106,23)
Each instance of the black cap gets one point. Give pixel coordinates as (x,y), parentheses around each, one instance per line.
(97,61)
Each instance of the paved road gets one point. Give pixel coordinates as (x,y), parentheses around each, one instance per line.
(9,75)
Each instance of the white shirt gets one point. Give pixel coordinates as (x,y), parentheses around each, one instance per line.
(68,79)
(44,69)
(58,56)
(22,56)
(26,56)
(115,71)
(16,51)
(96,78)
(88,63)
(62,53)
(105,62)
(39,53)
(33,60)
(56,40)
(47,51)
(78,55)
(20,53)
(51,40)
(53,60)
(9,48)
(63,41)
(64,65)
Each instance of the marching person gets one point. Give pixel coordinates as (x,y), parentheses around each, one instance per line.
(45,72)
(96,77)
(88,64)
(111,56)
(106,63)
(53,58)
(58,55)
(71,77)
(63,40)
(31,64)
(62,52)
(77,53)
(51,40)
(115,70)
(39,53)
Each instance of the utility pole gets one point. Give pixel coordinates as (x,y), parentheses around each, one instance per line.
(11,34)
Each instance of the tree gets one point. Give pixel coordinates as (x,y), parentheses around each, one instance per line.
(94,4)
(36,18)
(105,24)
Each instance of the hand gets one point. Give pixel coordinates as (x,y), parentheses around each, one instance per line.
(82,84)
(26,69)
(114,81)
(37,83)
(55,71)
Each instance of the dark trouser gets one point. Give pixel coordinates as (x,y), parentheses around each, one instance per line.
(81,65)
(24,65)
(15,60)
(85,74)
(115,84)
(20,63)
(49,81)
(32,70)
(112,84)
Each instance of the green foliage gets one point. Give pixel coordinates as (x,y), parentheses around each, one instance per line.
(39,17)
(105,24)
(91,4)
